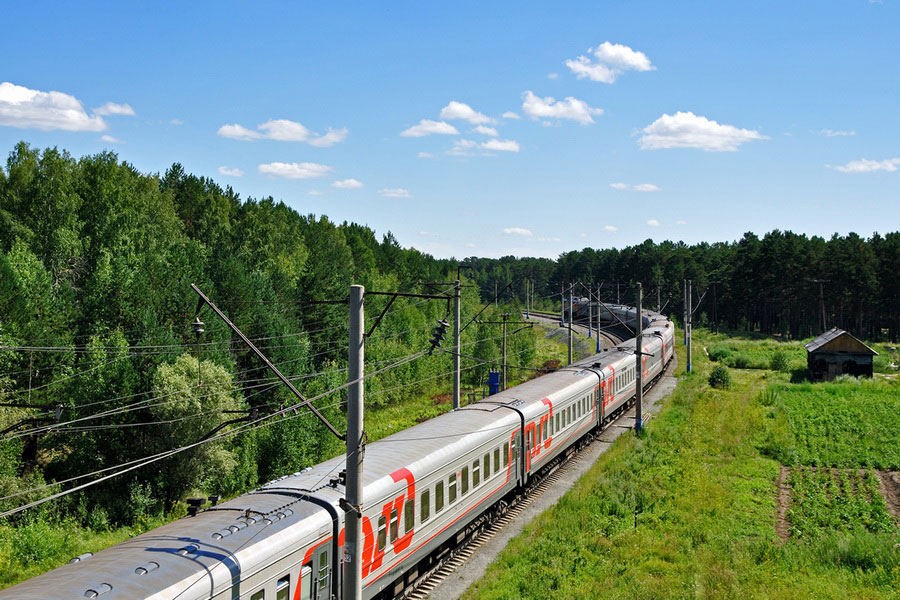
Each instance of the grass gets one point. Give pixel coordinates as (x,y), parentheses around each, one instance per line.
(688,511)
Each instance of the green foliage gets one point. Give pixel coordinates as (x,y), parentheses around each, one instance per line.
(720,377)
(779,362)
(36,541)
(844,424)
(826,501)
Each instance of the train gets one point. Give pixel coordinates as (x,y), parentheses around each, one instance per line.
(426,489)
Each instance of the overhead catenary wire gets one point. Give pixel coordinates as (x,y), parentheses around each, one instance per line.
(163,455)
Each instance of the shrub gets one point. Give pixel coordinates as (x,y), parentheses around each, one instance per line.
(36,541)
(720,377)
(779,362)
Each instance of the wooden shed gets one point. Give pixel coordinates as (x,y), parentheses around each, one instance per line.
(836,352)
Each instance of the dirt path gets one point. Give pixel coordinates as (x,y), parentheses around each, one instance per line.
(889,486)
(476,566)
(782,525)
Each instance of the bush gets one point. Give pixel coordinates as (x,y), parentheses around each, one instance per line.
(37,541)
(720,377)
(779,362)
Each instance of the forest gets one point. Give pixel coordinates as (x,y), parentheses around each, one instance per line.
(100,363)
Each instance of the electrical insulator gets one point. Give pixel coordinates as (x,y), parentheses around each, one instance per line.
(438,334)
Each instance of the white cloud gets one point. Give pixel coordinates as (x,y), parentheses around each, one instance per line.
(461,147)
(176,122)
(304,170)
(501,145)
(395,193)
(687,130)
(653,223)
(110,139)
(485,130)
(548,108)
(610,228)
(347,184)
(111,108)
(549,239)
(231,172)
(425,155)
(510,115)
(552,75)
(611,61)
(833,133)
(25,108)
(865,165)
(459,110)
(331,138)
(517,231)
(315,193)
(282,130)
(641,187)
(428,127)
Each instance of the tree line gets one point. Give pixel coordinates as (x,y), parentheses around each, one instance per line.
(100,363)
(774,284)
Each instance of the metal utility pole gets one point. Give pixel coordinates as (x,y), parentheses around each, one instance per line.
(504,350)
(352,564)
(597,315)
(684,311)
(570,324)
(562,304)
(618,301)
(456,303)
(690,323)
(591,310)
(495,292)
(639,367)
(715,308)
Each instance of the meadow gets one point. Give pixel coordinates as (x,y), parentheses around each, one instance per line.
(690,508)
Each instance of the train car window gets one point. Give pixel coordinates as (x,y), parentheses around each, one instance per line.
(260,595)
(410,517)
(283,588)
(496,459)
(451,489)
(464,482)
(438,497)
(305,582)
(425,506)
(556,427)
(395,524)
(487,465)
(324,567)
(506,454)
(382,532)
(476,473)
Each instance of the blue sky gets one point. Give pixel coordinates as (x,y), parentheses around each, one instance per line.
(695,121)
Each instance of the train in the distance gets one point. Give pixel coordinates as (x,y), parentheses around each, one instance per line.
(425,490)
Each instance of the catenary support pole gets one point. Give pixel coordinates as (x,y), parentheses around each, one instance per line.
(456,303)
(690,323)
(352,566)
(684,311)
(638,365)
(504,350)
(591,311)
(570,323)
(597,316)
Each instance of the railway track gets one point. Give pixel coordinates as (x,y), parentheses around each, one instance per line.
(482,532)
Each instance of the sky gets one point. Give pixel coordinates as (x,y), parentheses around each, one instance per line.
(486,128)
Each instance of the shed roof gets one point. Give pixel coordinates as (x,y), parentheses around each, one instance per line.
(837,339)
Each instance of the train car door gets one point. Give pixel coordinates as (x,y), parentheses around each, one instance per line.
(321,566)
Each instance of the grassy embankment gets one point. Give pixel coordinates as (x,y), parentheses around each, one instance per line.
(691,509)
(41,544)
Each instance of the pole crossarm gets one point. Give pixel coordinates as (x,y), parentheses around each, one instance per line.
(268,363)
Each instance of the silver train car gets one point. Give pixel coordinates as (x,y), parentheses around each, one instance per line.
(425,489)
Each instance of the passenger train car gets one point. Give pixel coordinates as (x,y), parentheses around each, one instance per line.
(425,489)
